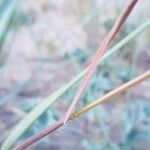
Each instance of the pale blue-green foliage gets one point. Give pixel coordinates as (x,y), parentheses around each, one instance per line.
(135,117)
(91,145)
(135,123)
(42,107)
(102,81)
(122,73)
(49,117)
(7,11)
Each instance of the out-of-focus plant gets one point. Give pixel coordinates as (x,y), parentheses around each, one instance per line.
(42,107)
(7,12)
(45,119)
(136,123)
(83,110)
(39,110)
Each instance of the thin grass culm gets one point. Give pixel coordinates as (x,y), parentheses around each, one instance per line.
(83,110)
(99,53)
(94,44)
(32,116)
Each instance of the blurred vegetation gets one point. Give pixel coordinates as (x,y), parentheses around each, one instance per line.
(7,13)
(118,69)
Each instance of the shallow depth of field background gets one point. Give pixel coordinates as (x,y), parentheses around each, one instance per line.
(47,43)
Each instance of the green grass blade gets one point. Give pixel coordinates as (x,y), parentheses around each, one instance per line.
(29,119)
(7,11)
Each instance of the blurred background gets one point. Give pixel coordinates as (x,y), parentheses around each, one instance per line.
(45,43)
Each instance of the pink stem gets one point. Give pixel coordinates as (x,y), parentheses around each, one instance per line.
(98,56)
(39,135)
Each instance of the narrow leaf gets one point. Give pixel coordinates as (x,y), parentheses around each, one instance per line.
(104,44)
(29,119)
(7,11)
(34,138)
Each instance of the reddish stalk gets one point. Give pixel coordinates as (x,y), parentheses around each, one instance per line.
(39,135)
(83,109)
(98,56)
(85,80)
